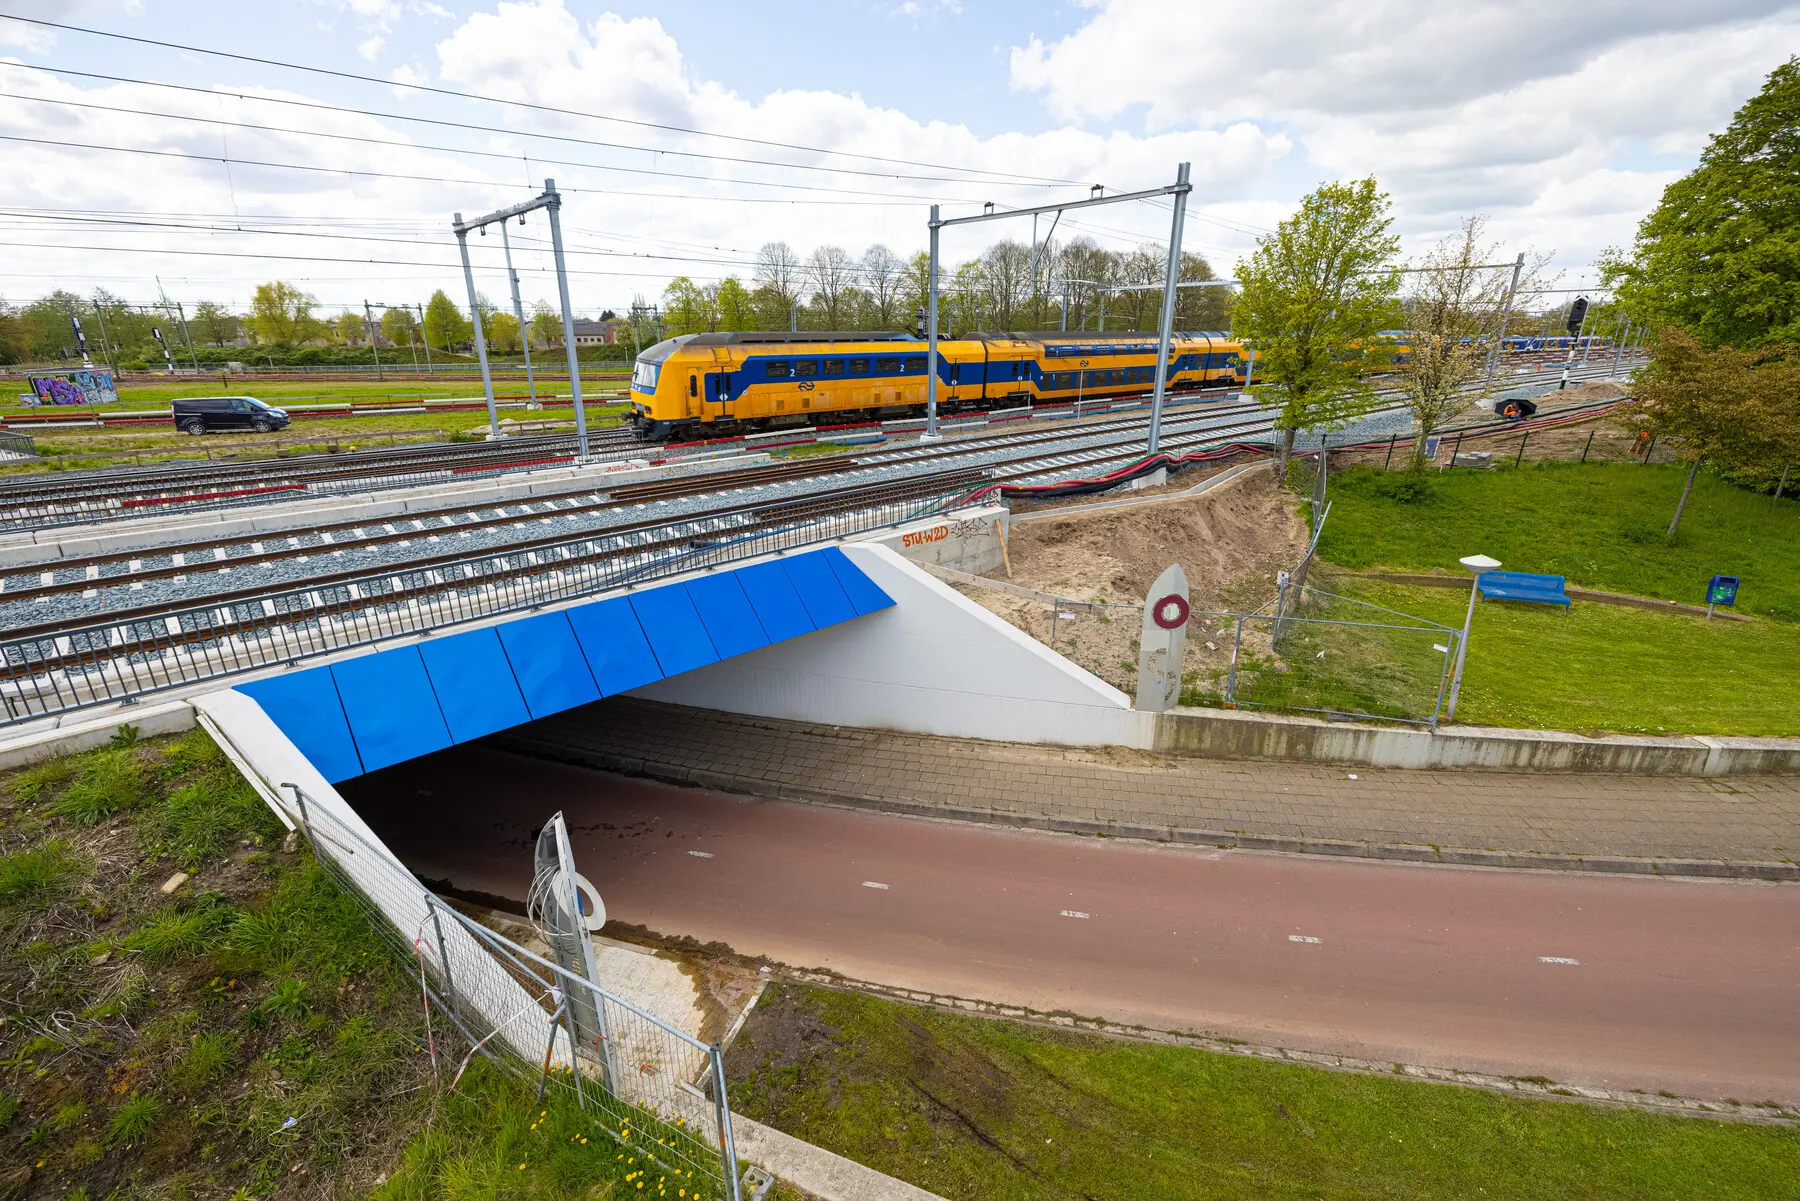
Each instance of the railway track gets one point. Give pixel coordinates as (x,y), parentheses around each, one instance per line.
(1022,457)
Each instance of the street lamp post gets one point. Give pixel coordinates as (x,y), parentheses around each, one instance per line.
(1476,564)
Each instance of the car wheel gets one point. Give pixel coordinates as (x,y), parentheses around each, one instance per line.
(261,426)
(193,426)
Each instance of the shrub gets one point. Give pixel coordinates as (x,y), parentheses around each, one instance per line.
(134,1119)
(35,875)
(206,1057)
(178,932)
(1404,487)
(51,773)
(288,999)
(201,818)
(105,782)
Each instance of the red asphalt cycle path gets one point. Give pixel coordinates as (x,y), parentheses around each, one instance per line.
(1689,986)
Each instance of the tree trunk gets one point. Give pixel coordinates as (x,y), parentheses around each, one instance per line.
(1686,488)
(1283,450)
(1782,486)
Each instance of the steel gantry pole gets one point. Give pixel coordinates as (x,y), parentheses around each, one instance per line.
(374,349)
(1167,325)
(425,338)
(931,335)
(554,204)
(487,378)
(1512,290)
(519,311)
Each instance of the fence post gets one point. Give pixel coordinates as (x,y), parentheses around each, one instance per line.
(431,903)
(722,1105)
(1388,462)
(1589,446)
(1648,449)
(306,823)
(1521,455)
(1231,679)
(1444,677)
(1455,450)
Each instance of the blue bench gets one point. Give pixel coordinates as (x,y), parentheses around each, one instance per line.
(1523,586)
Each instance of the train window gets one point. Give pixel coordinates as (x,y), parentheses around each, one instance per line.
(693,385)
(915,364)
(859,366)
(806,367)
(887,366)
(834,366)
(776,369)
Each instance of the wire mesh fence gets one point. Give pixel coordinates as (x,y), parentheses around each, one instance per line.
(650,1087)
(1314,649)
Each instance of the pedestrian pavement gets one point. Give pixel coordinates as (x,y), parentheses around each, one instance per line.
(1748,826)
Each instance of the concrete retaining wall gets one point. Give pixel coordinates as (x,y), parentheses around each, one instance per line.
(966,540)
(1223,734)
(935,663)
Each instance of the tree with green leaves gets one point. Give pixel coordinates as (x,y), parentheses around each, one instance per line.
(216,323)
(445,325)
(546,325)
(1314,295)
(398,326)
(281,312)
(737,308)
(1729,407)
(1720,256)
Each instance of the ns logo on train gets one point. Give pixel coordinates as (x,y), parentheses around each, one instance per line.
(702,385)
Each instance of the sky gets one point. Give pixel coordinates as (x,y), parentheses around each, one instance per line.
(684,135)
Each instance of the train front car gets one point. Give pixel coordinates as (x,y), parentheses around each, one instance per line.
(701,385)
(660,409)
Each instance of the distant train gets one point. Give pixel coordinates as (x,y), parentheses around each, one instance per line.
(696,385)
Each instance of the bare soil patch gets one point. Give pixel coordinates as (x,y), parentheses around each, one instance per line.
(1231,543)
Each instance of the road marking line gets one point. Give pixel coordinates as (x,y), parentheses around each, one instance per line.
(1073,913)
(1304,938)
(1559,959)
(872,884)
(701,854)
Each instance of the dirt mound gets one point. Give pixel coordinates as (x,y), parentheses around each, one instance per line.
(1231,542)
(1599,389)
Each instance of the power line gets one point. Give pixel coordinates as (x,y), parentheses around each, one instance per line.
(422,147)
(526,104)
(304,233)
(475,183)
(321,106)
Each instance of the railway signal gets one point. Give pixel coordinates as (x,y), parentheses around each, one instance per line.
(1577,316)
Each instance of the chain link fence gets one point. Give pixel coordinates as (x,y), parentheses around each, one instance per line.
(652,1088)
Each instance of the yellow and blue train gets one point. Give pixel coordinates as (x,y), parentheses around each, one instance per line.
(701,385)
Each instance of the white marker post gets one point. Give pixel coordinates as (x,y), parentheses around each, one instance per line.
(1163,643)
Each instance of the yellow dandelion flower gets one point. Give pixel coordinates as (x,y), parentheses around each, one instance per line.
(521,1167)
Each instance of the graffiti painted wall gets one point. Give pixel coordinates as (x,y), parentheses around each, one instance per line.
(75,388)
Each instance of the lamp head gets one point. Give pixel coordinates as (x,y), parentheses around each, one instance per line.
(1479,563)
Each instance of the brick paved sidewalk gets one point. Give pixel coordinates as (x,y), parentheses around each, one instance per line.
(1682,825)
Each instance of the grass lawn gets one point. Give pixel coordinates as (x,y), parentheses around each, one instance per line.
(1603,667)
(1601,525)
(156,1045)
(973,1108)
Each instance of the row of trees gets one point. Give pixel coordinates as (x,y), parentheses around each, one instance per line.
(1007,287)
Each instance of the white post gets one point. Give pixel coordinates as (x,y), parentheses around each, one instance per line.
(1477,564)
(519,313)
(568,317)
(1170,275)
(487,379)
(931,338)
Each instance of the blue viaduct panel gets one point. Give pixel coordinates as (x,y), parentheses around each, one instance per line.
(366,713)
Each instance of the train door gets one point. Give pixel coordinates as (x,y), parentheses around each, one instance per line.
(719,399)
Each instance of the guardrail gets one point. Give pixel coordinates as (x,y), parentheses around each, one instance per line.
(48,670)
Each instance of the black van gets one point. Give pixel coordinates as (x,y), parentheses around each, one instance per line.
(204,414)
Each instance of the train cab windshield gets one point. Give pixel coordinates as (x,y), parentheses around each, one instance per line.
(649,364)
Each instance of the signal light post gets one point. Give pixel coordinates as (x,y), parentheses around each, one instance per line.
(1179,190)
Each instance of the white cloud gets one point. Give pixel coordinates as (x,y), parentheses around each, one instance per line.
(370,47)
(1457,108)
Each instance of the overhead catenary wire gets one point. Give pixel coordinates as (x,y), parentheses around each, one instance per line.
(363,173)
(427,148)
(216,93)
(526,104)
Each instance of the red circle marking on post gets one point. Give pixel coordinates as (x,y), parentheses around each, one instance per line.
(1171,612)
